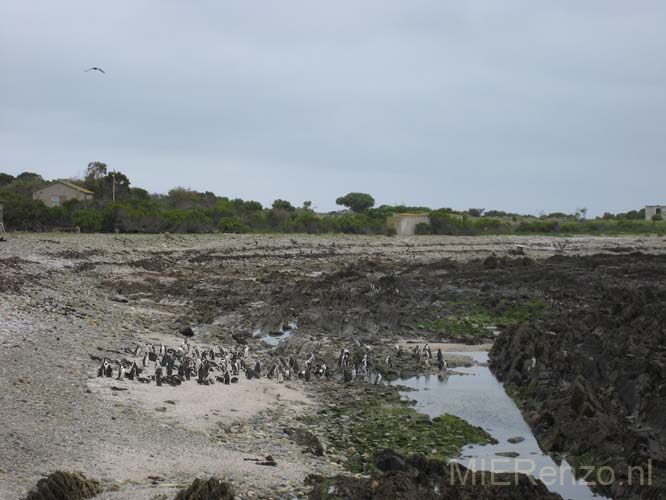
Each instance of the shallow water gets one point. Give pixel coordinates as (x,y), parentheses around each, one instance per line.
(476,396)
(273,340)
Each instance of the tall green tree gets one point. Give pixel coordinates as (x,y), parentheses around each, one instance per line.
(356,202)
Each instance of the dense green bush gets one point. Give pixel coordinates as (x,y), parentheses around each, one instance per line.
(89,221)
(539,226)
(232,225)
(184,210)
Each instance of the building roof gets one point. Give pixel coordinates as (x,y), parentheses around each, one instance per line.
(69,185)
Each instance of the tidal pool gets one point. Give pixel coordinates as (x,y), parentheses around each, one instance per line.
(275,340)
(475,395)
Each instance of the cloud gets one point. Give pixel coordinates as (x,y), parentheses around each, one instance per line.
(519,106)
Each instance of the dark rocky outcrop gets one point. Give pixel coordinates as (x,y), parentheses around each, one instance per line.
(64,486)
(592,381)
(417,478)
(207,489)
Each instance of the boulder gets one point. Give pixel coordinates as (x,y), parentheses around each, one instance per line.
(207,489)
(64,486)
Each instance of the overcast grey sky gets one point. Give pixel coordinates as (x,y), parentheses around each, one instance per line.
(517,105)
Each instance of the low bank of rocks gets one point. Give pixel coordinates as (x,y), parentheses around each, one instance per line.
(417,478)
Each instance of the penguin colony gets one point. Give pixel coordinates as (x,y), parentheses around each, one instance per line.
(165,365)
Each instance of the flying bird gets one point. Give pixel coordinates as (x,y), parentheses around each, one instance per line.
(95,68)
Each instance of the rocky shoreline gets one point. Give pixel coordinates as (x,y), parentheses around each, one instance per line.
(69,299)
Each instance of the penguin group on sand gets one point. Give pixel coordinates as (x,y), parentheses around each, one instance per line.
(206,365)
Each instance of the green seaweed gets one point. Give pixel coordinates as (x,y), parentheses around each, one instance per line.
(376,419)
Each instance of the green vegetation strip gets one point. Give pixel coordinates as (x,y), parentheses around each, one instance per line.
(468,318)
(362,420)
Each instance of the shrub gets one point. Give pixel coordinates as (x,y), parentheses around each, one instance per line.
(546,226)
(90,221)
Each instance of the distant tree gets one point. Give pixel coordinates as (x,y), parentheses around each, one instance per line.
(356,202)
(607,216)
(475,212)
(139,194)
(631,215)
(106,189)
(581,213)
(283,205)
(6,179)
(183,198)
(96,170)
(29,176)
(26,183)
(252,206)
(307,205)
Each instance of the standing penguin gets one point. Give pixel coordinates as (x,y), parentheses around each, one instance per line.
(257,369)
(158,375)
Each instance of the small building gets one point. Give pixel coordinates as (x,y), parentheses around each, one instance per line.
(57,193)
(652,210)
(405,224)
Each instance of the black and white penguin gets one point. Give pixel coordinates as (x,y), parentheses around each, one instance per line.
(257,368)
(158,375)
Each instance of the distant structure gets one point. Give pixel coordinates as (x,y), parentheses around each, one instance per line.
(405,224)
(652,210)
(57,193)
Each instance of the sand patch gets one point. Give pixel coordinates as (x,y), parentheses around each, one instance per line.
(201,407)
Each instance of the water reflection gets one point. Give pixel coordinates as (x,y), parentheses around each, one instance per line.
(476,396)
